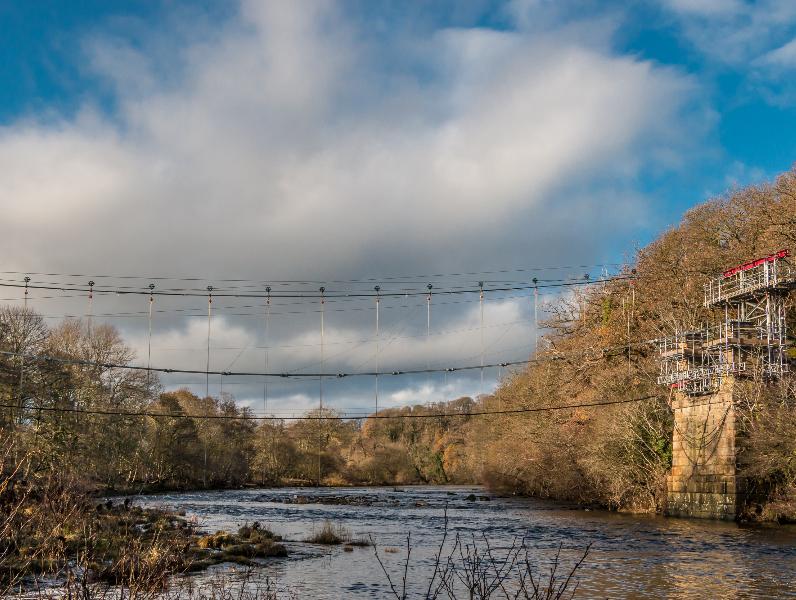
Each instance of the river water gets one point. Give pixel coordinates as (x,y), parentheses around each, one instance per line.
(631,556)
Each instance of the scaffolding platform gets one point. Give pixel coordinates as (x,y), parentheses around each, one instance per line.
(750,338)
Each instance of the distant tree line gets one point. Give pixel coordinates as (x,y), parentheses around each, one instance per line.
(187,447)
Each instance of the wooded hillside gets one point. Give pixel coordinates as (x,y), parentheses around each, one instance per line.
(597,348)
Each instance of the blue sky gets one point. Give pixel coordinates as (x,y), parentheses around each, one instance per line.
(336,140)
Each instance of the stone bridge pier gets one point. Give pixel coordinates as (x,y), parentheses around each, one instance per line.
(703,481)
(747,340)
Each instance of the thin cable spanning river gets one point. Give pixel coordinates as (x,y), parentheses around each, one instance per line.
(630,557)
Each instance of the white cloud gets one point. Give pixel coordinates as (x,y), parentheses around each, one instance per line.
(707,7)
(284,146)
(784,56)
(259,148)
(734,31)
(404,341)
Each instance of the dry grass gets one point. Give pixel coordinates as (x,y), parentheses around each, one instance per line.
(329,535)
(51,529)
(333,535)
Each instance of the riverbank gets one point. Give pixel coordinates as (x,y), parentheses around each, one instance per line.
(58,535)
(58,538)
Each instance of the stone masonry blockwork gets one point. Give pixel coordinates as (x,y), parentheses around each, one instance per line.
(703,480)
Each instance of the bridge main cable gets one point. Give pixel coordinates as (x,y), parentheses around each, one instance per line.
(285,375)
(250,417)
(309,295)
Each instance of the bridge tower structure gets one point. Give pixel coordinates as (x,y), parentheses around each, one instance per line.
(748,339)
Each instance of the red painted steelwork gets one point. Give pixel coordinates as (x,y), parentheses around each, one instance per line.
(756,263)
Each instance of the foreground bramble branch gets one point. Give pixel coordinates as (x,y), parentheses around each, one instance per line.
(473,569)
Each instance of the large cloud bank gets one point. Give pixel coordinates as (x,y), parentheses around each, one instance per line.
(290,142)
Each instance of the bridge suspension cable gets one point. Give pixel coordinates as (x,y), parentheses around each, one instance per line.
(414,278)
(334,417)
(267,343)
(377,289)
(209,320)
(149,336)
(316,375)
(299,294)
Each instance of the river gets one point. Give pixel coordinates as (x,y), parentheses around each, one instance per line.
(631,556)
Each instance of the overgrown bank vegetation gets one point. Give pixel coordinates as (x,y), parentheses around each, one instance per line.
(595,348)
(597,342)
(52,530)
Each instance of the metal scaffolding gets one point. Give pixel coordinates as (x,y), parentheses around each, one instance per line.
(751,338)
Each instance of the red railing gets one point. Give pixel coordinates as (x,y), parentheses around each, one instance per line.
(756,263)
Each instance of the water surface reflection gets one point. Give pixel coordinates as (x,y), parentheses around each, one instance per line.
(631,556)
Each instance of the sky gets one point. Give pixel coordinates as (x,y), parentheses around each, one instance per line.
(355,143)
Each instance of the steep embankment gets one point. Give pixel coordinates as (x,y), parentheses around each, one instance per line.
(598,349)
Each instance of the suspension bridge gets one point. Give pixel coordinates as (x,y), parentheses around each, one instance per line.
(351,300)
